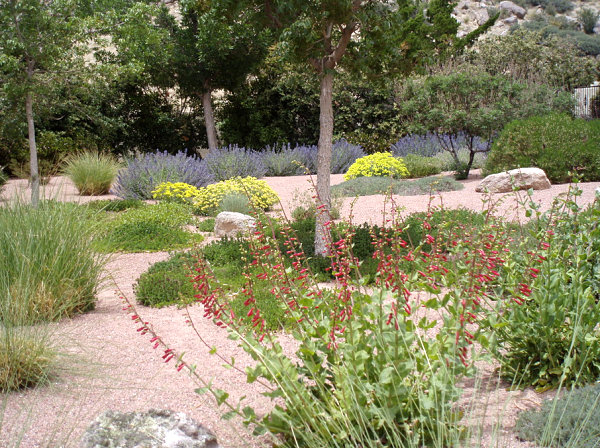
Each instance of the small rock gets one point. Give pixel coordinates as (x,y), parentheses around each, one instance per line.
(523,178)
(510,20)
(231,224)
(151,429)
(513,8)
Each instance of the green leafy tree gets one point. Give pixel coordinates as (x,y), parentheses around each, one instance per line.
(42,43)
(472,106)
(366,36)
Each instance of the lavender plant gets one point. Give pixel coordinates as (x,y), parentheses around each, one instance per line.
(284,160)
(145,172)
(344,154)
(234,161)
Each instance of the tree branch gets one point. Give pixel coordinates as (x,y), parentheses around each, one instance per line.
(271,15)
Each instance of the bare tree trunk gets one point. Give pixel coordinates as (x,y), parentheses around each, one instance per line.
(33,160)
(209,119)
(324,162)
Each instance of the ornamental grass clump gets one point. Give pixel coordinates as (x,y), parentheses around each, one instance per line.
(145,172)
(382,164)
(92,173)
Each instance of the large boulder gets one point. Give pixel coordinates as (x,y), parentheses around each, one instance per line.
(151,429)
(231,224)
(522,178)
(513,8)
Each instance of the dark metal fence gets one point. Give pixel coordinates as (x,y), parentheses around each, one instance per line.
(587,102)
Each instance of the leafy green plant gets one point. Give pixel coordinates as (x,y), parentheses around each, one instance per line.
(150,228)
(558,144)
(3,178)
(168,282)
(48,268)
(378,164)
(588,19)
(206,225)
(366,186)
(92,173)
(419,166)
(116,205)
(546,325)
(569,420)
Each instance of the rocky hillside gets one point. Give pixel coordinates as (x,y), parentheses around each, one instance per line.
(472,13)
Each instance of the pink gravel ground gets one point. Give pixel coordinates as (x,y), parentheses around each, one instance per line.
(108,365)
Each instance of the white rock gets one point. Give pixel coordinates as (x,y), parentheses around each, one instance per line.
(231,224)
(513,8)
(522,178)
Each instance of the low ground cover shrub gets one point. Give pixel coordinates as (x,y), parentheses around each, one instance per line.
(167,282)
(419,166)
(175,191)
(570,420)
(366,186)
(558,144)
(206,225)
(379,164)
(233,161)
(149,228)
(145,172)
(48,267)
(92,173)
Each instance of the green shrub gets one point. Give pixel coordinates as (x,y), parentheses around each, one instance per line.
(48,268)
(448,163)
(226,251)
(92,173)
(175,191)
(116,205)
(150,228)
(558,144)
(366,186)
(26,358)
(378,164)
(206,225)
(260,194)
(419,166)
(3,178)
(235,202)
(588,19)
(569,421)
(548,330)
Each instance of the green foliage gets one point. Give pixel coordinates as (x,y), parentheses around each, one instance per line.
(167,282)
(150,228)
(206,225)
(26,358)
(49,277)
(92,173)
(419,166)
(366,186)
(546,325)
(115,205)
(3,178)
(378,164)
(235,202)
(558,144)
(260,195)
(548,26)
(569,420)
(588,19)
(225,252)
(531,57)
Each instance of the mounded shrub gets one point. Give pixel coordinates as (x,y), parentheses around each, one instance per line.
(419,166)
(558,144)
(92,173)
(378,164)
(175,191)
(259,193)
(145,172)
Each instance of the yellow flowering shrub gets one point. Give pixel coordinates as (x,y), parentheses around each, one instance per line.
(261,195)
(175,191)
(378,164)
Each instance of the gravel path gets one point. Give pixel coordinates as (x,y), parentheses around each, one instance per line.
(110,366)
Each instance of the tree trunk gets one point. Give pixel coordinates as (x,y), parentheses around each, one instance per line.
(324,163)
(33,160)
(209,119)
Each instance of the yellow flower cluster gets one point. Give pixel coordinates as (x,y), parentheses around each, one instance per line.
(175,191)
(378,164)
(260,194)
